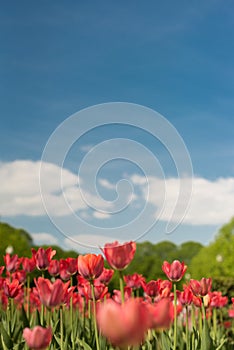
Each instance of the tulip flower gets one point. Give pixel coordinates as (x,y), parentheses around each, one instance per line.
(28,264)
(165,288)
(90,266)
(117,295)
(174,271)
(161,315)
(134,281)
(217,300)
(186,297)
(105,276)
(100,290)
(68,267)
(51,294)
(11,289)
(152,288)
(231,313)
(20,276)
(43,257)
(54,268)
(202,287)
(123,324)
(12,262)
(119,255)
(38,338)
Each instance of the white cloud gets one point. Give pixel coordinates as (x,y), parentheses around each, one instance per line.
(100,215)
(20,190)
(44,238)
(212,202)
(107,184)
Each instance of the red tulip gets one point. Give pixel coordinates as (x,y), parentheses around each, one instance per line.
(134,281)
(100,290)
(123,324)
(197,301)
(202,287)
(152,288)
(28,264)
(11,289)
(117,295)
(119,255)
(165,288)
(90,266)
(20,276)
(54,268)
(37,338)
(174,271)
(1,269)
(231,313)
(12,262)
(186,297)
(105,276)
(51,294)
(217,300)
(160,314)
(68,267)
(43,257)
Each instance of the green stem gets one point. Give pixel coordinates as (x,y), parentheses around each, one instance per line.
(193,326)
(28,296)
(94,317)
(71,316)
(175,318)
(121,285)
(200,320)
(61,328)
(187,329)
(215,322)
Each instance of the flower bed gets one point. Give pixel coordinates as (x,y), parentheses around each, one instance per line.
(74,309)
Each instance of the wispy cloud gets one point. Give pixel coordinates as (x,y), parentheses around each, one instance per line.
(42,237)
(211,201)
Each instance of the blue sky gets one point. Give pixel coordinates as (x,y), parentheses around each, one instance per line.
(173,57)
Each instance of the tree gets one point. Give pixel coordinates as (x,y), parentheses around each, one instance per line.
(18,239)
(217,259)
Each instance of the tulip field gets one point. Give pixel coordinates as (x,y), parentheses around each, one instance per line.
(70,306)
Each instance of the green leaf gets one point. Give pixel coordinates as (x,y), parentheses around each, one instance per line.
(84,345)
(6,338)
(24,318)
(206,341)
(166,342)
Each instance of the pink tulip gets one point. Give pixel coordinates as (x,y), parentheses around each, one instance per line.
(174,271)
(186,297)
(37,338)
(105,276)
(123,324)
(54,268)
(119,255)
(90,266)
(11,289)
(202,287)
(134,281)
(51,294)
(152,288)
(160,313)
(43,257)
(12,262)
(28,264)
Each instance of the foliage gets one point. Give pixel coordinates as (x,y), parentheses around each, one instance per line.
(217,259)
